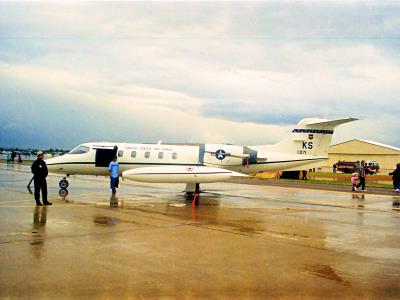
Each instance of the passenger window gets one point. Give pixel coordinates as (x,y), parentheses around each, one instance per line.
(133,154)
(174,155)
(160,155)
(80,150)
(120,153)
(147,154)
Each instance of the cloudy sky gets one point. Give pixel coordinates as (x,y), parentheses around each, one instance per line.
(235,72)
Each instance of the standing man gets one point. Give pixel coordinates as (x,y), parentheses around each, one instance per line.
(39,170)
(113,172)
(396,178)
(362,176)
(13,155)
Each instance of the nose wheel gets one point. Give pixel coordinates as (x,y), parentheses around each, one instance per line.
(63,184)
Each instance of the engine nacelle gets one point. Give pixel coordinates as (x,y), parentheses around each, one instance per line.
(228,155)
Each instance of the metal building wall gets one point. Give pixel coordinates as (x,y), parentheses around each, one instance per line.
(359,150)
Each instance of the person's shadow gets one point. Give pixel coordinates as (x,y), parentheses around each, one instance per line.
(39,230)
(396,205)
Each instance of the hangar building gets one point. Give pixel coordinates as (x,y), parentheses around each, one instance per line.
(353,150)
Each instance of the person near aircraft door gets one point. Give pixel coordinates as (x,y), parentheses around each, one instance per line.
(113,172)
(396,178)
(40,172)
(362,176)
(8,157)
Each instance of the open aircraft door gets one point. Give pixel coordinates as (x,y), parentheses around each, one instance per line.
(104,155)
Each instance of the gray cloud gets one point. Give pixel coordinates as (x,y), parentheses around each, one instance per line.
(217,64)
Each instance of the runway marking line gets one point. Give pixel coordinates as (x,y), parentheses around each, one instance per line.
(58,205)
(319,202)
(316,189)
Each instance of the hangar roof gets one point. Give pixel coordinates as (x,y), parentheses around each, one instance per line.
(369,142)
(381,145)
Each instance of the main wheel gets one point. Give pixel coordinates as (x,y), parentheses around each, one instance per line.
(63,183)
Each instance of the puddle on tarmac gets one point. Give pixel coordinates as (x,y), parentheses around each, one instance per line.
(38,242)
(177,205)
(105,220)
(245,229)
(327,272)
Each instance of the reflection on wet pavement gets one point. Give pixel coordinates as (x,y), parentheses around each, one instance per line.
(113,201)
(39,230)
(105,220)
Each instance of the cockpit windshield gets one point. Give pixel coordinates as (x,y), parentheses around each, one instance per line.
(80,150)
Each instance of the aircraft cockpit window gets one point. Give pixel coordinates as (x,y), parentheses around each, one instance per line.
(133,154)
(174,155)
(80,150)
(120,153)
(160,155)
(147,154)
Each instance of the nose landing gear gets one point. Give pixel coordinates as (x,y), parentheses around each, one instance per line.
(63,184)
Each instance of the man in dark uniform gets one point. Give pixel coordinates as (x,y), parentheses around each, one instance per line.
(361,176)
(13,155)
(39,170)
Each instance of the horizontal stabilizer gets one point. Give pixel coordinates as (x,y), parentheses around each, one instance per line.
(332,123)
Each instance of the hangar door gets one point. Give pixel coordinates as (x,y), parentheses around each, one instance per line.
(104,156)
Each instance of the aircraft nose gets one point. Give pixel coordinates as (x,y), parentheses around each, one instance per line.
(53,164)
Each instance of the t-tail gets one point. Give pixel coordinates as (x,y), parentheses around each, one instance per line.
(311,137)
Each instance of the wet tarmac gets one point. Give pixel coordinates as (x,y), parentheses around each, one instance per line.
(242,241)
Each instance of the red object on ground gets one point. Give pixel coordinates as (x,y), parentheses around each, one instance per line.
(194,200)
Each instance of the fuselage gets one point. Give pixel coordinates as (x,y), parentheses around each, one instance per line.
(93,158)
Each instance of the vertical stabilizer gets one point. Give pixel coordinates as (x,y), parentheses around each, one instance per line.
(311,136)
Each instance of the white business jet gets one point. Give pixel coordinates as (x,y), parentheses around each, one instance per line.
(305,148)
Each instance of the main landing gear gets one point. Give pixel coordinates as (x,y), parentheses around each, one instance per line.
(192,193)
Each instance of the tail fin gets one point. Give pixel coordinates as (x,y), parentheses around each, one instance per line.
(311,136)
